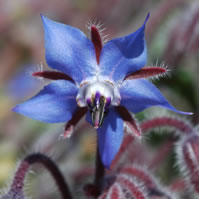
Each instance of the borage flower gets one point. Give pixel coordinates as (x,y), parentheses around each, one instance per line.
(108,81)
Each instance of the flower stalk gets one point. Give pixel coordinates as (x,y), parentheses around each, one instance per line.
(16,189)
(99,172)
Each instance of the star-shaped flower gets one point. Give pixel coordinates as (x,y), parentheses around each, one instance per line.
(107,80)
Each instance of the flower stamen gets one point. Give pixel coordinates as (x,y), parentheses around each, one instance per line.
(98,106)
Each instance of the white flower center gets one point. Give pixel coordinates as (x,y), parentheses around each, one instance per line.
(98,96)
(89,89)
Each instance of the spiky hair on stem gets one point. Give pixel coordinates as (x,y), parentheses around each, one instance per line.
(152,186)
(16,188)
(188,161)
(170,123)
(134,181)
(125,187)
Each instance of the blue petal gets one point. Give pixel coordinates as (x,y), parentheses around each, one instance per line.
(139,94)
(55,103)
(88,118)
(124,55)
(69,50)
(110,137)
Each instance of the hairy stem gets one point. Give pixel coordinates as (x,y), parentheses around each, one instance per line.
(177,123)
(54,171)
(99,171)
